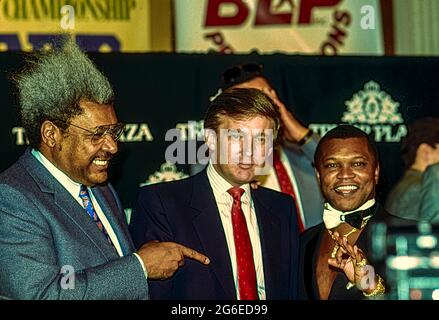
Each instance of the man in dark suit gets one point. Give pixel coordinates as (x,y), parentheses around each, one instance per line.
(334,262)
(250,236)
(63,233)
(292,171)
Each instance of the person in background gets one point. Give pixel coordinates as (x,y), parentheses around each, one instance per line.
(63,233)
(429,210)
(420,150)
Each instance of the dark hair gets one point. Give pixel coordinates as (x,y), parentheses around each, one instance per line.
(241,104)
(425,130)
(345,131)
(53,84)
(241,73)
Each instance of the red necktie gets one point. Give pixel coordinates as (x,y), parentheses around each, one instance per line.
(285,184)
(244,253)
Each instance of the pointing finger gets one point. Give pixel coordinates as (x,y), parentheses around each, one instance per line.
(195,255)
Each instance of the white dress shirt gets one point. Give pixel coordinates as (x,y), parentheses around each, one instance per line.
(224,203)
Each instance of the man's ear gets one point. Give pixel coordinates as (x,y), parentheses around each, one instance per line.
(210,139)
(317,175)
(377,173)
(50,134)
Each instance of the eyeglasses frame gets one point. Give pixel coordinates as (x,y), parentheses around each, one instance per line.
(94,133)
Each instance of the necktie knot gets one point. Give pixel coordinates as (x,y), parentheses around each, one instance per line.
(355,219)
(85,197)
(333,218)
(83,191)
(236,193)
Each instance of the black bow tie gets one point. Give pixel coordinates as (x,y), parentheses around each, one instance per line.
(355,219)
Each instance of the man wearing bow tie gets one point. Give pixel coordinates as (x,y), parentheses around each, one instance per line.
(333,263)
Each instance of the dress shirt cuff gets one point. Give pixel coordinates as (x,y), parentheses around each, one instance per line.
(142,264)
(350,285)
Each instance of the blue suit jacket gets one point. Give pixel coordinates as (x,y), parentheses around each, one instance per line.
(43,229)
(185,211)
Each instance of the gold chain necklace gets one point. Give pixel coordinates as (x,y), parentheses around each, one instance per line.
(337,246)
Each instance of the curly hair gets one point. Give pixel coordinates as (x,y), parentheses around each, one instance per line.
(53,83)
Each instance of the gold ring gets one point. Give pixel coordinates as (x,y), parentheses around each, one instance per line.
(334,251)
(361,263)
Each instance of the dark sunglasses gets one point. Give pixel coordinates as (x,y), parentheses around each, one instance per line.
(98,135)
(241,73)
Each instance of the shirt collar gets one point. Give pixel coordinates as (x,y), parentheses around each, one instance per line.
(333,217)
(220,185)
(366,205)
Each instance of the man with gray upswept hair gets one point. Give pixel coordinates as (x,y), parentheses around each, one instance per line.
(53,85)
(63,233)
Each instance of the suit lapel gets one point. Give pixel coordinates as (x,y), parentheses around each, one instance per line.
(79,217)
(270,237)
(209,228)
(106,201)
(66,204)
(313,250)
